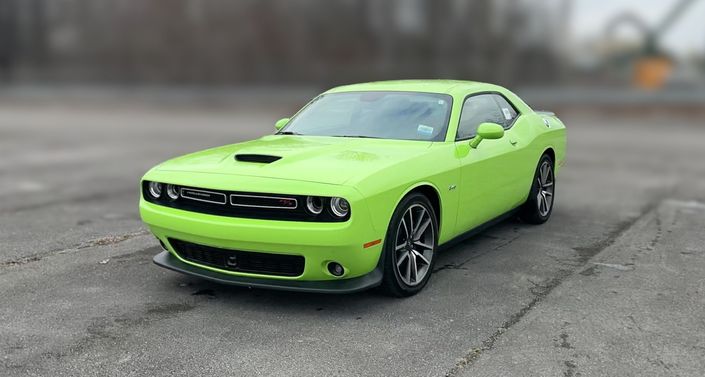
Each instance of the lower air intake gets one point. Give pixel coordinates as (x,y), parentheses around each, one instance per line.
(240,261)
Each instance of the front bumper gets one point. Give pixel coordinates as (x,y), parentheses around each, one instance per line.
(167,260)
(318,243)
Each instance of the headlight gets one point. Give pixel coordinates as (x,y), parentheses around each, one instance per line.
(172,191)
(314,204)
(155,189)
(339,206)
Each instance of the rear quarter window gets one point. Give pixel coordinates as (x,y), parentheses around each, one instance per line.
(509,112)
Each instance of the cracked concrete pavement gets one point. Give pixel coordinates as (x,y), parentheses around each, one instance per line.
(611,285)
(635,310)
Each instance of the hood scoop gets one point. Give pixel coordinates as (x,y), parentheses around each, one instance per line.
(259,158)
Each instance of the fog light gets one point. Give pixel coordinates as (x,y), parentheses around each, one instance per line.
(172,191)
(155,189)
(335,269)
(339,206)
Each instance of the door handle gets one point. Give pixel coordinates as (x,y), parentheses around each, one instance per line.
(512,142)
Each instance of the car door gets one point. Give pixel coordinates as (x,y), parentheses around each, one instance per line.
(486,187)
(520,160)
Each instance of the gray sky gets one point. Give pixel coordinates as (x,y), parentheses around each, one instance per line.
(687,34)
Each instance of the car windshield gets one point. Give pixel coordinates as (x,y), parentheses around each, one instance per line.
(384,115)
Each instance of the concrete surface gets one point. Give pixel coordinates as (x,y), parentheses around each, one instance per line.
(611,285)
(636,308)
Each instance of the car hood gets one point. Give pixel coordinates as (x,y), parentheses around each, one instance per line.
(332,160)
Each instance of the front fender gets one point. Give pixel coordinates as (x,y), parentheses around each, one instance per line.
(384,190)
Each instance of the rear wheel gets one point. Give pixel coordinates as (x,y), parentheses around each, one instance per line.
(539,205)
(410,247)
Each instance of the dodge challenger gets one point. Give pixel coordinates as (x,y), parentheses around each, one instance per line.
(359,189)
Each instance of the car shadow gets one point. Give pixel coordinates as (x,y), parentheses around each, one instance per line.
(460,256)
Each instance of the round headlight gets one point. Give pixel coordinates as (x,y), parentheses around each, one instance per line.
(172,191)
(340,207)
(155,189)
(314,204)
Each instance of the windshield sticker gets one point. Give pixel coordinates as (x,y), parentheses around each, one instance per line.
(441,102)
(424,130)
(507,114)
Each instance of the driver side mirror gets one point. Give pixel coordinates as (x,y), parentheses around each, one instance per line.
(487,131)
(281,123)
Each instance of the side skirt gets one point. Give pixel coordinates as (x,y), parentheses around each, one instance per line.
(479,229)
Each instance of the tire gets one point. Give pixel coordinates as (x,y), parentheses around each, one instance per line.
(408,264)
(539,205)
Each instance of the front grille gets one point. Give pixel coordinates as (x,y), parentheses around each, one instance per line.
(240,261)
(266,206)
(204,196)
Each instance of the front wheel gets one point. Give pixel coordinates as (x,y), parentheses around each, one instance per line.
(410,247)
(539,205)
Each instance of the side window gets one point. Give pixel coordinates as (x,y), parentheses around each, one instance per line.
(476,110)
(509,113)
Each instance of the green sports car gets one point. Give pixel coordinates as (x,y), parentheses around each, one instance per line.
(361,188)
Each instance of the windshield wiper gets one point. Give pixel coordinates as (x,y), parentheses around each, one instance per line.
(289,133)
(358,136)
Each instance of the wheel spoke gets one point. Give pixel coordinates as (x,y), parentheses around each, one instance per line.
(425,246)
(406,231)
(547,193)
(408,269)
(418,222)
(414,268)
(422,228)
(399,247)
(543,173)
(544,204)
(402,258)
(547,184)
(411,223)
(548,172)
(420,256)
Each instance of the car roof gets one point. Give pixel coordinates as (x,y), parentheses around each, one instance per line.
(451,87)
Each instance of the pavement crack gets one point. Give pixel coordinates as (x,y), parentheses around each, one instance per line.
(657,237)
(589,251)
(98,242)
(564,341)
(570,368)
(20,261)
(110,239)
(540,291)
